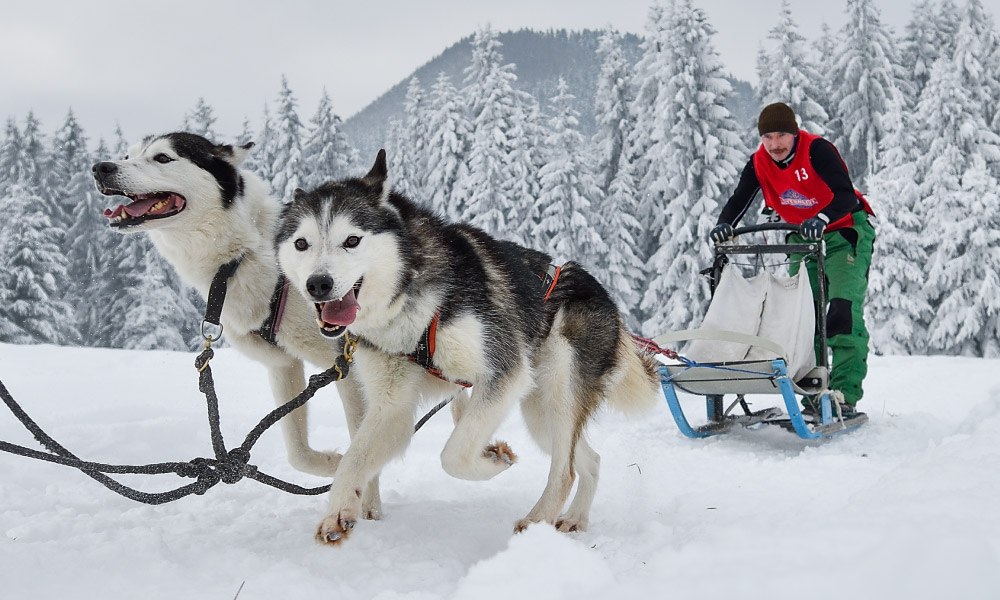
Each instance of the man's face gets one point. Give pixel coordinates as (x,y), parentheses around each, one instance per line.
(778,144)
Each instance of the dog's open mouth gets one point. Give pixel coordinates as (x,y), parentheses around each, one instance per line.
(334,316)
(143,207)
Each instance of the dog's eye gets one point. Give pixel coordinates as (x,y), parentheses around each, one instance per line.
(301,244)
(352,241)
(162,158)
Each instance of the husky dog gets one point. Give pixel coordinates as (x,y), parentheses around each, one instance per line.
(435,305)
(201,211)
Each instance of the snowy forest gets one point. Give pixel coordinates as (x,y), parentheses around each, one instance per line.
(915,114)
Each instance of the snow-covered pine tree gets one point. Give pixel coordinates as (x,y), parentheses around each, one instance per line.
(287,144)
(567,226)
(650,72)
(497,113)
(623,270)
(410,174)
(201,121)
(145,307)
(70,171)
(91,245)
(261,157)
(448,135)
(865,72)
(328,155)
(245,136)
(897,311)
(977,51)
(612,101)
(10,156)
(960,198)
(35,161)
(524,163)
(34,273)
(921,45)
(790,76)
(701,153)
(825,48)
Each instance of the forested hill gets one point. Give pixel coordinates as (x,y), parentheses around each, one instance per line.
(541,58)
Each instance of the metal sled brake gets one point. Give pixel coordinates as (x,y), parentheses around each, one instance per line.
(761,366)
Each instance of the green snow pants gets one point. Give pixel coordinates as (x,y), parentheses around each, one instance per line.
(848,258)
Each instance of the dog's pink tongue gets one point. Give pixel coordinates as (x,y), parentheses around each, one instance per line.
(341,312)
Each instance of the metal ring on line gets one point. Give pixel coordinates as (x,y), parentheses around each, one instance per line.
(207,337)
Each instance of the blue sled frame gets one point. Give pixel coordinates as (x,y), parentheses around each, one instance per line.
(791,419)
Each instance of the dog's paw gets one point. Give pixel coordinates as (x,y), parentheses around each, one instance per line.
(500,453)
(335,528)
(571,523)
(523,524)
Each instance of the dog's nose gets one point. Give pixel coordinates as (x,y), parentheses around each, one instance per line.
(104,168)
(319,286)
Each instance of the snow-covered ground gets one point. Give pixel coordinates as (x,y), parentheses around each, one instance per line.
(907,507)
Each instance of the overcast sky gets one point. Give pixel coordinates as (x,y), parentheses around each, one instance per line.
(145,64)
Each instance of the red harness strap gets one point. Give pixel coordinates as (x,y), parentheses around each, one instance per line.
(424,354)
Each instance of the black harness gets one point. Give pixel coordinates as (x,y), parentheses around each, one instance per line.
(424,353)
(268,331)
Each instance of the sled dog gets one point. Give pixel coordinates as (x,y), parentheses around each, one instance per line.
(202,211)
(435,306)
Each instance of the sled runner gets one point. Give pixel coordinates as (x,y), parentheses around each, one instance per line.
(757,339)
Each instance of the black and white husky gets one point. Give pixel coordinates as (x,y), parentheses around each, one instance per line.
(201,212)
(435,306)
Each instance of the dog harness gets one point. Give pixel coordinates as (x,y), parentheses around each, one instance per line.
(424,354)
(268,331)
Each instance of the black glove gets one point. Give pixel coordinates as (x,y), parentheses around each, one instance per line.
(721,233)
(812,229)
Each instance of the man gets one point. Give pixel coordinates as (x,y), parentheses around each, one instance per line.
(804,180)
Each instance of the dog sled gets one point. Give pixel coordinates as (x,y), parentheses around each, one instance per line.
(757,340)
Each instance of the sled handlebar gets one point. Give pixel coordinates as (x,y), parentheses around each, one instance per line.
(765,227)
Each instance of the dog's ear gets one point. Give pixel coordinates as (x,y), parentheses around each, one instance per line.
(235,155)
(378,176)
(298,193)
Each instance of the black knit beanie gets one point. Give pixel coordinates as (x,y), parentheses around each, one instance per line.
(777,117)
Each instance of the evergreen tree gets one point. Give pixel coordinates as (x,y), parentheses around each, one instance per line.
(448,136)
(90,243)
(70,172)
(500,161)
(622,269)
(611,107)
(652,70)
(34,273)
(246,134)
(702,154)
(790,77)
(201,121)
(864,67)
(897,311)
(825,48)
(977,50)
(328,154)
(145,305)
(921,46)
(567,226)
(34,162)
(287,144)
(10,156)
(959,196)
(411,155)
(262,158)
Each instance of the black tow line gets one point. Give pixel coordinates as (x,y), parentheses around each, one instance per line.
(228,465)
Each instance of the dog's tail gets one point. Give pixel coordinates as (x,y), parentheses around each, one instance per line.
(634,385)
